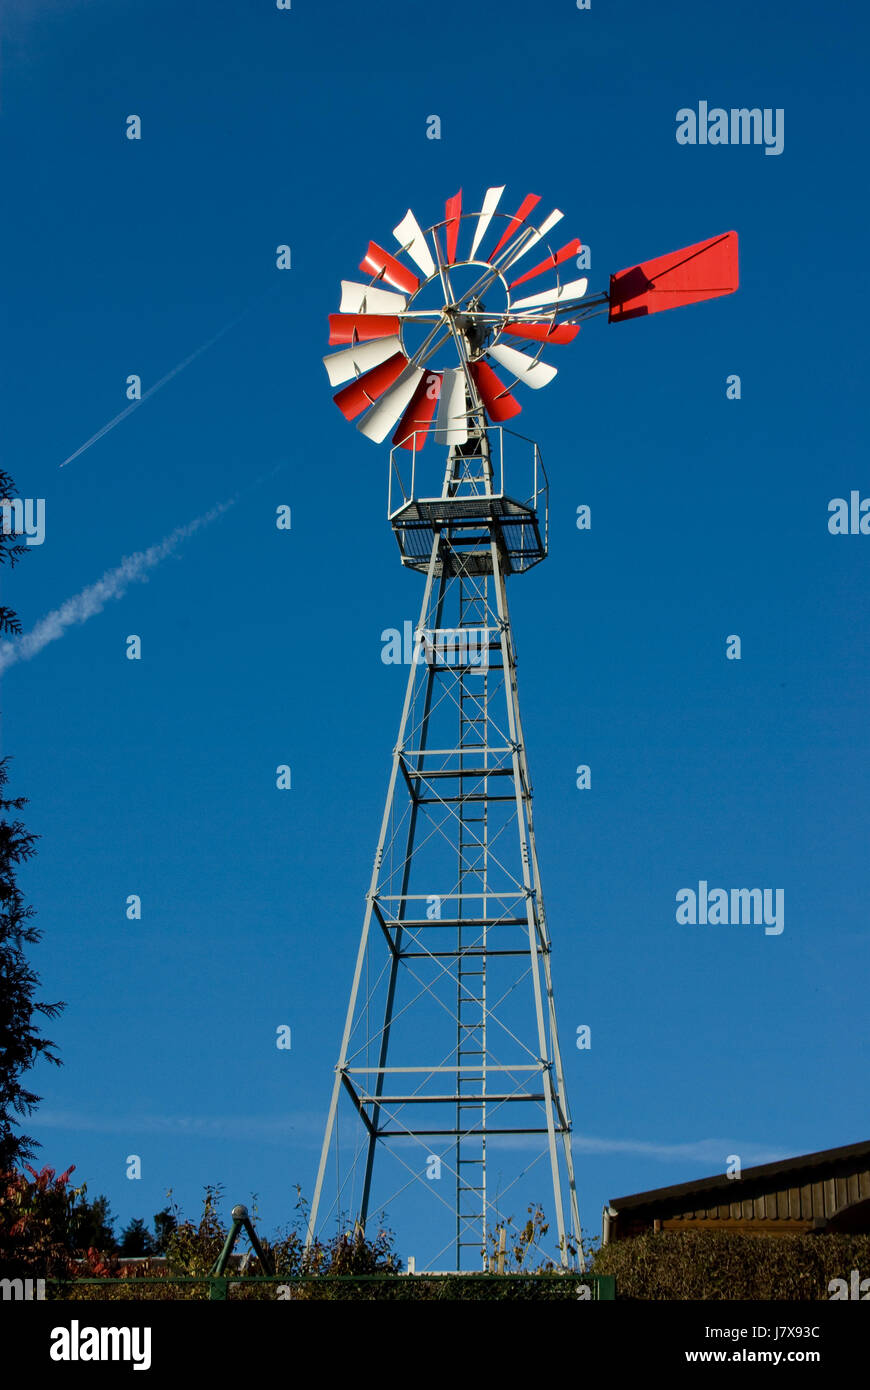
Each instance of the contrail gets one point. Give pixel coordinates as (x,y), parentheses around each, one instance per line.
(93,600)
(122,415)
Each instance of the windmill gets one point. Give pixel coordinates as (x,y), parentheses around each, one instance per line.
(449,1068)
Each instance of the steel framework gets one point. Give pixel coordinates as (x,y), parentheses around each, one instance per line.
(450,1044)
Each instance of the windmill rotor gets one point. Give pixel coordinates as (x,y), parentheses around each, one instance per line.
(444,331)
(435,312)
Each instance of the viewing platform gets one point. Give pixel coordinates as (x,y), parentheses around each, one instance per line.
(477,512)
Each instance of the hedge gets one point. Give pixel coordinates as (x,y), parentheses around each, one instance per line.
(725,1265)
(451,1287)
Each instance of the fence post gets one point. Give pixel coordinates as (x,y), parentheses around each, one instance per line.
(217,1287)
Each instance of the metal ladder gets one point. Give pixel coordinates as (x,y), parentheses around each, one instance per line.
(471,969)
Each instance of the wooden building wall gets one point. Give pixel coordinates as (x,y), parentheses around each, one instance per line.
(783,1211)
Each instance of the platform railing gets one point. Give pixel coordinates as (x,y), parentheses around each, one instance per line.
(418,476)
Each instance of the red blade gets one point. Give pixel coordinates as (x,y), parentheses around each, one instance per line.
(519,217)
(379,262)
(703,271)
(551,262)
(500,404)
(453,211)
(352,400)
(542,332)
(361,328)
(412,428)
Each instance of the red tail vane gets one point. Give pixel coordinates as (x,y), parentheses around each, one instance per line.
(703,271)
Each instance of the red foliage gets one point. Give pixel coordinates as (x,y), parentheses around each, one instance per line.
(34,1223)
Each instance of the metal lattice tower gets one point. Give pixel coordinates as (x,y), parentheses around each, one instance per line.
(449,1068)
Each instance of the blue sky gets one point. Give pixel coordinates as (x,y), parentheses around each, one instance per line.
(261,647)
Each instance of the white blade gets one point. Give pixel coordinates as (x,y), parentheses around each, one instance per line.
(362,299)
(353,361)
(410,237)
(546,226)
(490,203)
(575,289)
(385,413)
(451,423)
(534,374)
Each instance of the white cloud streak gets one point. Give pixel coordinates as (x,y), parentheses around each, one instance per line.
(179,367)
(712,1151)
(242,1127)
(307,1129)
(708,1151)
(92,600)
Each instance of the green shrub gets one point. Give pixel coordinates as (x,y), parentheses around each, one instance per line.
(724,1265)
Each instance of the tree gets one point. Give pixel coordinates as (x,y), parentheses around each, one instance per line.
(136,1239)
(21,1043)
(11,549)
(194,1247)
(91,1226)
(515,1251)
(35,1223)
(47,1226)
(165,1223)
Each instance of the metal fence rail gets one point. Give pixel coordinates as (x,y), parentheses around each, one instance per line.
(357,1287)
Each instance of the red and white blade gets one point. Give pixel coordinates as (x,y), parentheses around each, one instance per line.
(542,332)
(490,203)
(366,299)
(414,425)
(575,289)
(361,328)
(452,213)
(379,262)
(353,361)
(451,422)
(498,401)
(526,369)
(383,416)
(354,399)
(546,226)
(530,201)
(410,237)
(556,258)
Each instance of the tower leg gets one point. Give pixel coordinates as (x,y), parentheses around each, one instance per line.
(340,1070)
